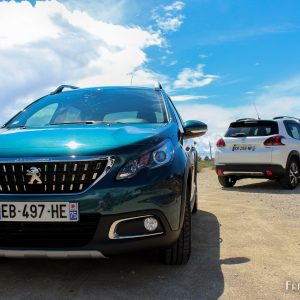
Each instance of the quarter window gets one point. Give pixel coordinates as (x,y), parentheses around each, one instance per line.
(177,116)
(293,129)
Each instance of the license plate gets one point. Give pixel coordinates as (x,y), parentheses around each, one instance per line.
(39,212)
(243,148)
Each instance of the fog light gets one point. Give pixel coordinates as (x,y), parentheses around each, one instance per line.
(150,224)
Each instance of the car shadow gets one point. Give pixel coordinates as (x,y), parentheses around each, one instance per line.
(267,186)
(134,276)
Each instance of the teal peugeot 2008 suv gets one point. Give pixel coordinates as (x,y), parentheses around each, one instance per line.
(96,172)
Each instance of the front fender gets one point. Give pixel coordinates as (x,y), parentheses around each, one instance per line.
(188,169)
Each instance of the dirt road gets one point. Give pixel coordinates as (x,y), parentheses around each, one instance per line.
(260,234)
(246,243)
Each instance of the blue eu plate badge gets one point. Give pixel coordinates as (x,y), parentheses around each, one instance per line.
(73,211)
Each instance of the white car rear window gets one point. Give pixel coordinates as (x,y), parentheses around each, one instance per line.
(253,128)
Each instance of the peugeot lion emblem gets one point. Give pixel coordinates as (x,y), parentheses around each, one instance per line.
(35,174)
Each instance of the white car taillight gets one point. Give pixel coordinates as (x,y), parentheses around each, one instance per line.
(274,141)
(220,143)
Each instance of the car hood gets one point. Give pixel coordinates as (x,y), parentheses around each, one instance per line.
(81,139)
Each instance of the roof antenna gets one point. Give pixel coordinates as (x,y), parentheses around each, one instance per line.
(258,117)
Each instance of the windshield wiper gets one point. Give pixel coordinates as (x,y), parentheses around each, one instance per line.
(85,122)
(15,127)
(238,134)
(79,122)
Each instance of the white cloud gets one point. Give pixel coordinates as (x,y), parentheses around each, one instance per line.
(148,78)
(187,97)
(115,12)
(48,45)
(203,55)
(282,98)
(169,52)
(177,5)
(173,63)
(194,78)
(167,17)
(249,92)
(170,23)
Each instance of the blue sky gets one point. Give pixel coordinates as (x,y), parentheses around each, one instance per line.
(249,44)
(216,58)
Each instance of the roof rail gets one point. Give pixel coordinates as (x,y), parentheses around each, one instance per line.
(62,87)
(158,86)
(286,117)
(246,119)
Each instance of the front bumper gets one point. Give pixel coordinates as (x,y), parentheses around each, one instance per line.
(101,244)
(153,192)
(250,170)
(157,194)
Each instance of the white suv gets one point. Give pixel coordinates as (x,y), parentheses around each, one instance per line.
(260,149)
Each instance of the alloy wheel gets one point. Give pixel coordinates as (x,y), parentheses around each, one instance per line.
(294,174)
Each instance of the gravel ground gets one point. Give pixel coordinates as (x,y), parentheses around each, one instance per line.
(246,243)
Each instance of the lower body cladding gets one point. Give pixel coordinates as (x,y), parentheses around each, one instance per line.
(250,170)
(93,236)
(50,254)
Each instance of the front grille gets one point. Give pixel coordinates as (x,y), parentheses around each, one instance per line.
(51,177)
(49,235)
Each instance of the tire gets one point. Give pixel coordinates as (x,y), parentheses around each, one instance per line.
(227,181)
(290,179)
(180,252)
(195,207)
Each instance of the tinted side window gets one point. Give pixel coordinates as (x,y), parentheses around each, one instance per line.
(293,129)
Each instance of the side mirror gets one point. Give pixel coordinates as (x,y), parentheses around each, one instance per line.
(194,128)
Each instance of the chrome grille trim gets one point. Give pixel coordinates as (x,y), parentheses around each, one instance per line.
(112,234)
(61,187)
(74,158)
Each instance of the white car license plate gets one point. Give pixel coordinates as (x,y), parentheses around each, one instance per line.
(39,212)
(243,147)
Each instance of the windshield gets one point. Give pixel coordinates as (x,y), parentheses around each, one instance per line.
(118,105)
(258,128)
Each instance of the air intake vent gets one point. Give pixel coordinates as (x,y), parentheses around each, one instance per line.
(53,176)
(49,235)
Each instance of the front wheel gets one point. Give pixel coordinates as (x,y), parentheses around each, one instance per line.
(180,252)
(227,181)
(290,179)
(195,207)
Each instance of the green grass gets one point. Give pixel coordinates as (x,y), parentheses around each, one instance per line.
(202,164)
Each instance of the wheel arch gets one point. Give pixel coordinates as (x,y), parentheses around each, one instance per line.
(293,154)
(188,176)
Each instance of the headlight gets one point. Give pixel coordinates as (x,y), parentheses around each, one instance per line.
(158,157)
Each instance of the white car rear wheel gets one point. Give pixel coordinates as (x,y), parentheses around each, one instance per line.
(290,179)
(227,181)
